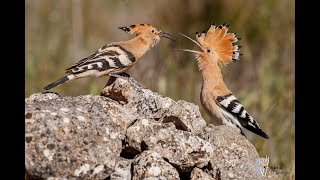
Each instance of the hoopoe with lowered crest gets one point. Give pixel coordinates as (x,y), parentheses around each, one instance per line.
(116,57)
(218,48)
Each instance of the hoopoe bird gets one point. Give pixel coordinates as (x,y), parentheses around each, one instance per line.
(218,48)
(116,57)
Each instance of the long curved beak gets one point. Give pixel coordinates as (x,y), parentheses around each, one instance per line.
(167,35)
(192,40)
(189,50)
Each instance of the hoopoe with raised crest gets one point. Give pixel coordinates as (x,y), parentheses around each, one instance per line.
(218,48)
(116,57)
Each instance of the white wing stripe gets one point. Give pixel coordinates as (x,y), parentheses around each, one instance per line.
(227,101)
(243,114)
(237,108)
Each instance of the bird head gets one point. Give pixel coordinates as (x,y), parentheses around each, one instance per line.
(147,32)
(217,46)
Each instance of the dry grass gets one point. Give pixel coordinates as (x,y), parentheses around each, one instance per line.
(59,33)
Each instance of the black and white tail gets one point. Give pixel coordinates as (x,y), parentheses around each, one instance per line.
(232,106)
(58,82)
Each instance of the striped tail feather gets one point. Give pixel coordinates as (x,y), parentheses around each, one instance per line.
(257,131)
(232,105)
(56,83)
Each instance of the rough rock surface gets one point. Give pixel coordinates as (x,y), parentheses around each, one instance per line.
(199,174)
(182,149)
(150,165)
(150,105)
(132,133)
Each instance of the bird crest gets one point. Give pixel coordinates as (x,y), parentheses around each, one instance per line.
(223,42)
(220,41)
(137,28)
(144,28)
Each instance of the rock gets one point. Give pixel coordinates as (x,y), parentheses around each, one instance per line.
(199,174)
(150,165)
(132,133)
(181,148)
(233,155)
(150,105)
(42,96)
(73,137)
(186,116)
(140,129)
(122,170)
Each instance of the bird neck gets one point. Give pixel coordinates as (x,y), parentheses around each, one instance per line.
(213,80)
(138,46)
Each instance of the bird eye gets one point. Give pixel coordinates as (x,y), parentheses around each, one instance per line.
(208,50)
(152,31)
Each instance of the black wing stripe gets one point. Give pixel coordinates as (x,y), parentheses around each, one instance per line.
(81,70)
(221,98)
(82,61)
(248,122)
(233,104)
(117,62)
(94,66)
(92,62)
(104,57)
(257,131)
(105,65)
(128,54)
(241,109)
(109,53)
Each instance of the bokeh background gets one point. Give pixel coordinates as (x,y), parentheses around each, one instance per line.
(59,33)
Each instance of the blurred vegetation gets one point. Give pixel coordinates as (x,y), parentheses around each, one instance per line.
(59,33)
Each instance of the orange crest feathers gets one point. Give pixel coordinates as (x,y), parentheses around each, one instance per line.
(136,28)
(218,39)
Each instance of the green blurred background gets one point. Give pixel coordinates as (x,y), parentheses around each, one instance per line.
(59,33)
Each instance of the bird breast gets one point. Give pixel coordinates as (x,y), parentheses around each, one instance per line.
(210,106)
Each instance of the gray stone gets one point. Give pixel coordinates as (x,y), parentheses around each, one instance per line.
(122,170)
(133,133)
(150,105)
(186,116)
(141,129)
(233,154)
(73,137)
(42,96)
(199,174)
(150,165)
(181,148)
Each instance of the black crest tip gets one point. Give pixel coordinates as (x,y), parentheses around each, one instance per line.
(126,29)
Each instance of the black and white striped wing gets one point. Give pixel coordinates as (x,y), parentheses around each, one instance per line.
(232,105)
(108,59)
